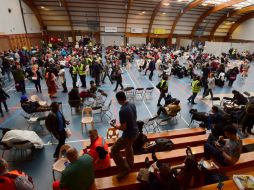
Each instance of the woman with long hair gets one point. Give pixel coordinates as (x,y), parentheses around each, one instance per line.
(51,83)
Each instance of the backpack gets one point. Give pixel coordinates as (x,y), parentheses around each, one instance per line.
(102,153)
(163,144)
(19,179)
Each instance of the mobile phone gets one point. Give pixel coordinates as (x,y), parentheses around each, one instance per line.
(220,185)
(66,164)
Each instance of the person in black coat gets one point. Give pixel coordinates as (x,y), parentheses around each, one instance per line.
(37,80)
(151,67)
(3,97)
(56,124)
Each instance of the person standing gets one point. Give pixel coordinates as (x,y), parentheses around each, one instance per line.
(3,98)
(56,124)
(196,86)
(97,68)
(151,67)
(19,78)
(210,86)
(163,87)
(82,74)
(248,119)
(122,57)
(51,83)
(78,175)
(36,78)
(74,74)
(106,73)
(61,74)
(128,124)
(118,78)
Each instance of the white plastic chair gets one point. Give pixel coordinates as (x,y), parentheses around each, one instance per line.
(59,166)
(87,117)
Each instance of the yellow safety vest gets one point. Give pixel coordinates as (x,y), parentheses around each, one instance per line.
(165,87)
(74,70)
(82,69)
(89,61)
(195,87)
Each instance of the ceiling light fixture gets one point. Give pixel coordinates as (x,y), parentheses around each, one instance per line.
(42,7)
(143,12)
(204,4)
(233,22)
(163,13)
(166,4)
(179,0)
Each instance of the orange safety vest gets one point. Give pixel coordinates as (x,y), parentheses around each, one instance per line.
(97,162)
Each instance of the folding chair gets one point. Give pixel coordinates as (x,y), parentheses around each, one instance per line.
(100,100)
(87,118)
(151,122)
(139,93)
(97,111)
(148,93)
(77,104)
(106,110)
(129,92)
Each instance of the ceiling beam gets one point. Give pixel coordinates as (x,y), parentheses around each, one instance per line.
(228,15)
(187,8)
(213,10)
(36,12)
(237,23)
(65,4)
(155,11)
(129,5)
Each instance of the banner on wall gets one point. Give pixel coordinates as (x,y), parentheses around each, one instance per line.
(110,29)
(159,31)
(137,30)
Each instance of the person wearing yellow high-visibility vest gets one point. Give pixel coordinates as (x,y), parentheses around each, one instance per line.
(196,86)
(82,74)
(89,62)
(74,74)
(163,87)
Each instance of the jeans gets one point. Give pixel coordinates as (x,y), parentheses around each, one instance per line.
(230,82)
(37,85)
(208,90)
(74,80)
(61,142)
(83,80)
(64,86)
(5,106)
(106,74)
(151,75)
(161,109)
(162,95)
(97,79)
(212,151)
(118,83)
(120,144)
(22,86)
(192,97)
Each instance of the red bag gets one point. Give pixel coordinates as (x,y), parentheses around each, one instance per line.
(17,86)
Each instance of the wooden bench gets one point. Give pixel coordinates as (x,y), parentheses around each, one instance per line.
(168,134)
(228,185)
(173,157)
(130,182)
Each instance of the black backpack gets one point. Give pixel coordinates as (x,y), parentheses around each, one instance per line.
(163,144)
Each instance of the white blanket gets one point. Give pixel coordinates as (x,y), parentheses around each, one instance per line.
(13,136)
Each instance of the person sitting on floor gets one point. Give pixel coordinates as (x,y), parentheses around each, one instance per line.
(225,151)
(32,106)
(13,180)
(99,151)
(170,109)
(78,174)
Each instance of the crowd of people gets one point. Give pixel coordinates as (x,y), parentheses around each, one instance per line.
(52,64)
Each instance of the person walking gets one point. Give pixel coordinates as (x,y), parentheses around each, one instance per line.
(51,83)
(82,74)
(151,68)
(62,77)
(3,98)
(36,78)
(196,86)
(118,78)
(19,78)
(74,74)
(163,87)
(97,68)
(106,73)
(56,124)
(210,86)
(128,124)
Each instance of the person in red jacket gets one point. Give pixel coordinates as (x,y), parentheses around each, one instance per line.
(13,180)
(98,150)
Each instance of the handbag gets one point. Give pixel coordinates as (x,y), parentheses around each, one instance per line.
(67,132)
